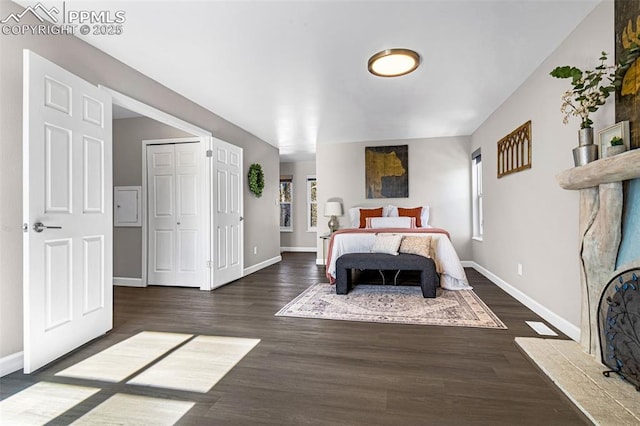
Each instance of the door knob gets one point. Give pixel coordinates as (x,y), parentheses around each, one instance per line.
(39,227)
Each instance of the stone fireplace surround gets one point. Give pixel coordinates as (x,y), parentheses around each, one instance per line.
(576,368)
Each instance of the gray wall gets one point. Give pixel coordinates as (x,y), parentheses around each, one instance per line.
(439,176)
(300,239)
(128,134)
(529,219)
(261,214)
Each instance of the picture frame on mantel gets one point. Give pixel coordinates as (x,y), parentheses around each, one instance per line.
(605,135)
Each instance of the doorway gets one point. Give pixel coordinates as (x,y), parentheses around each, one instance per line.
(222,199)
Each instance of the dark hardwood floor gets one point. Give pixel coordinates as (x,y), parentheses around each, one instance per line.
(323,372)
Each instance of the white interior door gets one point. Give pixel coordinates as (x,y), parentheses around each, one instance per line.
(67,212)
(175,215)
(228,226)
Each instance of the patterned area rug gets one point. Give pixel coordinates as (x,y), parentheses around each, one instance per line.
(393,304)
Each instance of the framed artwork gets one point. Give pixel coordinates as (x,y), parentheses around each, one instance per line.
(627,33)
(514,151)
(619,130)
(387,171)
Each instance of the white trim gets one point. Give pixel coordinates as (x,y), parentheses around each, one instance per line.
(320,262)
(151,112)
(11,363)
(261,265)
(299,249)
(128,282)
(560,323)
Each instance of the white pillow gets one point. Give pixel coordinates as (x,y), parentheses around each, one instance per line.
(388,210)
(387,243)
(424,215)
(354,216)
(391,222)
(391,211)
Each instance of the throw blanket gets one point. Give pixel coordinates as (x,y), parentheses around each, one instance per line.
(452,276)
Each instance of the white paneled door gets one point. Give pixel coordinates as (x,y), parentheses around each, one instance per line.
(67,212)
(175,211)
(228,205)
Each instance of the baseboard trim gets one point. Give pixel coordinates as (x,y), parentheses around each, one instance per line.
(11,363)
(299,249)
(128,282)
(261,265)
(557,321)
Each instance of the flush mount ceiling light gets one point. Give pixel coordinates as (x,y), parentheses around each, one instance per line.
(393,62)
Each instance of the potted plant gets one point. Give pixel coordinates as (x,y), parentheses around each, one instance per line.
(590,90)
(617,146)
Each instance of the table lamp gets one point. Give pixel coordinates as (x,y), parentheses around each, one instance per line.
(333,209)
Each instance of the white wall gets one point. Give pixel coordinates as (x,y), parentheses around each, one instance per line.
(261,214)
(439,176)
(300,239)
(529,219)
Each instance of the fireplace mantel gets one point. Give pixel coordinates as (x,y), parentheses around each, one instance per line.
(620,167)
(601,200)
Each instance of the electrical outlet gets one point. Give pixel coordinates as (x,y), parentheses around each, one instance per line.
(520,269)
(255,249)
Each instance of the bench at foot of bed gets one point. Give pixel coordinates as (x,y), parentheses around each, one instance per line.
(381,262)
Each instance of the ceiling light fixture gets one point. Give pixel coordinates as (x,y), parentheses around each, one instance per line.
(393,62)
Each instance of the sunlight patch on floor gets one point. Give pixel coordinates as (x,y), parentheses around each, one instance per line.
(42,402)
(123,359)
(123,409)
(198,365)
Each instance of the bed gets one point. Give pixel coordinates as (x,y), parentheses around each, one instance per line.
(362,239)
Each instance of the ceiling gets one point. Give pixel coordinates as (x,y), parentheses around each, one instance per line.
(294,73)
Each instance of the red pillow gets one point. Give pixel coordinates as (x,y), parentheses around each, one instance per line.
(412,213)
(365,213)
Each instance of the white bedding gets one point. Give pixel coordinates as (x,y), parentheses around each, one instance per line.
(452,276)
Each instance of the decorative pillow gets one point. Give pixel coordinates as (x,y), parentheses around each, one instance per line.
(415,212)
(389,210)
(416,245)
(365,213)
(391,222)
(387,243)
(424,217)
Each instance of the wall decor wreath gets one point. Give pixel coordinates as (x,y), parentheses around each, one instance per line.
(256,179)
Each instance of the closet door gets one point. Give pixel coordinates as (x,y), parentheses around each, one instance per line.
(174,215)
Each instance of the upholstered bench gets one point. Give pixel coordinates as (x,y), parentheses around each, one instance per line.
(384,262)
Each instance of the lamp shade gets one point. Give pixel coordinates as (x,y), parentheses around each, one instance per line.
(333,208)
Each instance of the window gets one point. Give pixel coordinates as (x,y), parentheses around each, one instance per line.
(286,204)
(312,204)
(476,187)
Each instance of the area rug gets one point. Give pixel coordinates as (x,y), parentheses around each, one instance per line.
(393,304)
